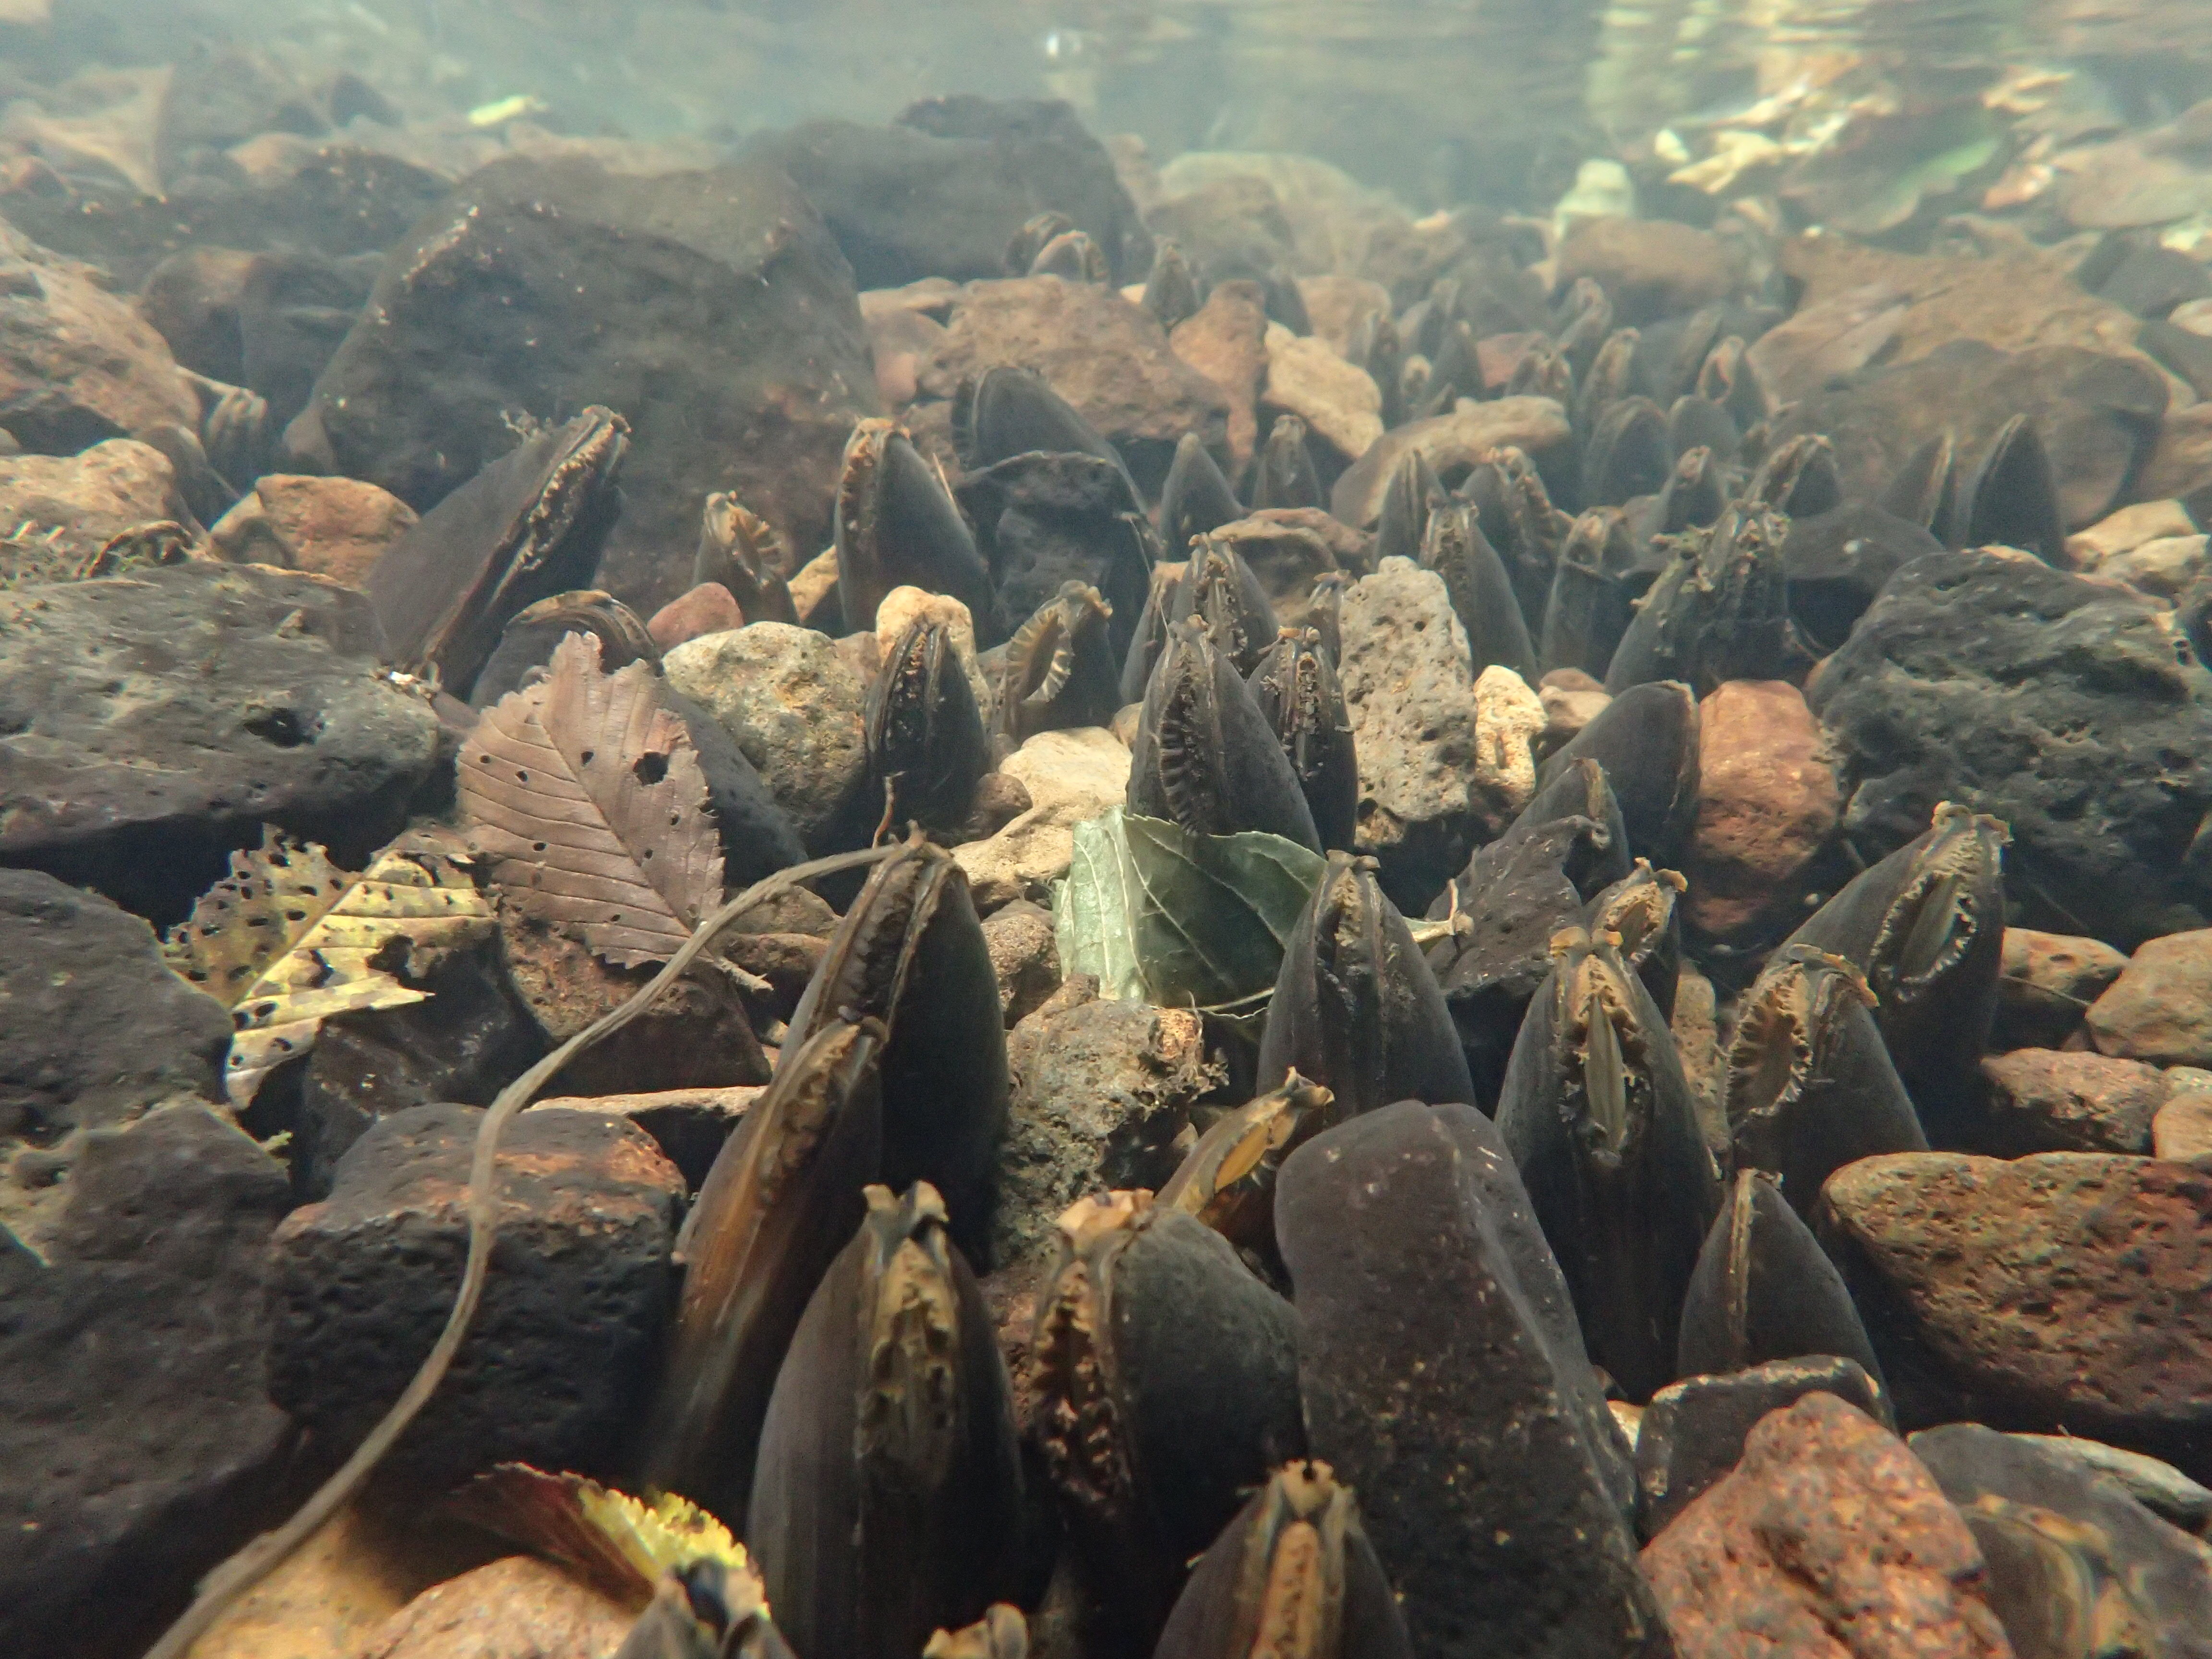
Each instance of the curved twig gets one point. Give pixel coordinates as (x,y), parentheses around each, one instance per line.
(242,1571)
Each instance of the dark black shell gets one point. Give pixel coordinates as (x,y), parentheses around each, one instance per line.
(1283,473)
(1149,639)
(1204,755)
(1629,453)
(1195,498)
(1523,524)
(897,527)
(1838,561)
(1646,739)
(1409,496)
(1480,592)
(1593,597)
(1171,291)
(1798,478)
(1296,690)
(1045,519)
(1005,412)
(1060,669)
(1719,611)
(927,748)
(2012,500)
(1220,593)
(532,632)
(1924,491)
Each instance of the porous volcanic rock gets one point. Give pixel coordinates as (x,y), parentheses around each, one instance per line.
(2160,1009)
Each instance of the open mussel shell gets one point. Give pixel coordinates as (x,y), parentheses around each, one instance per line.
(1810,1086)
(1164,1375)
(1025,243)
(911,954)
(1609,378)
(747,555)
(1798,478)
(1411,494)
(1196,498)
(1073,256)
(897,527)
(1719,611)
(1148,640)
(532,632)
(887,1502)
(1763,1289)
(1282,473)
(1926,926)
(781,1200)
(1640,911)
(1480,592)
(1604,1129)
(927,747)
(1059,670)
(1001,1634)
(1630,453)
(1292,1576)
(1296,687)
(1005,412)
(1220,593)
(2012,500)
(1227,1179)
(1205,757)
(1171,290)
(1526,530)
(530,524)
(1925,490)
(704,1610)
(1542,372)
(1593,597)
(1647,741)
(1356,1006)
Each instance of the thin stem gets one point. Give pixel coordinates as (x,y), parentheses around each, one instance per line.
(242,1571)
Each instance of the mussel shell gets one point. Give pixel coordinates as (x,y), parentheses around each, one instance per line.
(1073,257)
(1196,498)
(1007,412)
(1610,376)
(758,838)
(1719,611)
(1585,324)
(691,1616)
(1925,490)
(927,747)
(1838,561)
(1926,926)
(1356,1006)
(1283,475)
(1220,592)
(1204,755)
(1647,741)
(1523,524)
(748,556)
(1592,602)
(1603,1128)
(1325,611)
(887,1497)
(1060,668)
(1149,640)
(532,632)
(1694,496)
(1480,592)
(1542,372)
(1763,1289)
(1296,688)
(1292,1576)
(1023,246)
(896,527)
(1810,1086)
(1630,453)
(1045,519)
(1409,495)
(531,524)
(1171,291)
(782,1198)
(1227,1179)
(1798,478)
(1695,423)
(1640,911)
(911,954)
(2012,500)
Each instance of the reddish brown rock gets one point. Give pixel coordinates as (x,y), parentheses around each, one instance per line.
(2049,982)
(1451,444)
(1767,804)
(705,608)
(2160,1009)
(2046,1100)
(1226,342)
(335,527)
(1829,1540)
(1337,306)
(2063,1292)
(1650,268)
(2182,1129)
(517,1609)
(1107,357)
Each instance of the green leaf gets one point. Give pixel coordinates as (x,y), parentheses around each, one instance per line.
(1158,913)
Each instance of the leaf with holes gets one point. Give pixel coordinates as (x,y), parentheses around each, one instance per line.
(587,791)
(287,939)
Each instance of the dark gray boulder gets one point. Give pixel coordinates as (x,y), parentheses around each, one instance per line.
(2073,710)
(555,1369)
(139,1446)
(711,310)
(941,189)
(149,724)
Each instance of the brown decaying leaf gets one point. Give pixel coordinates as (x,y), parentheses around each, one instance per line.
(588,791)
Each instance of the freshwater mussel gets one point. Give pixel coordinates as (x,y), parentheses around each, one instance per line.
(1296,687)
(927,745)
(896,527)
(1060,669)
(748,555)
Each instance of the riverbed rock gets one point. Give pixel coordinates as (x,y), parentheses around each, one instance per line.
(1024,955)
(1409,682)
(2126,529)
(711,309)
(2159,1008)
(334,528)
(690,1125)
(56,511)
(140,1442)
(2067,709)
(77,364)
(943,188)
(1650,268)
(2181,1130)
(554,1371)
(127,771)
(1451,444)
(1767,807)
(1071,775)
(1287,547)
(1336,399)
(2159,1486)
(694,614)
(1101,1090)
(2054,1293)
(517,1609)
(1109,359)
(1226,341)
(1829,1539)
(796,707)
(2044,1100)
(2048,982)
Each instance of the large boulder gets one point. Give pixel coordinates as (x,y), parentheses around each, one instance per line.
(2072,710)
(941,189)
(711,309)
(150,724)
(139,1442)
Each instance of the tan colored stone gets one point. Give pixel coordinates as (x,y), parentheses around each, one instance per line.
(1767,804)
(2161,568)
(1509,718)
(517,1609)
(690,1125)
(2160,1009)
(2182,1129)
(2180,463)
(1338,306)
(1572,699)
(1829,1540)
(1650,268)
(56,511)
(813,588)
(1226,342)
(2047,983)
(335,527)
(1337,401)
(1071,775)
(2126,529)
(1450,444)
(2049,1100)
